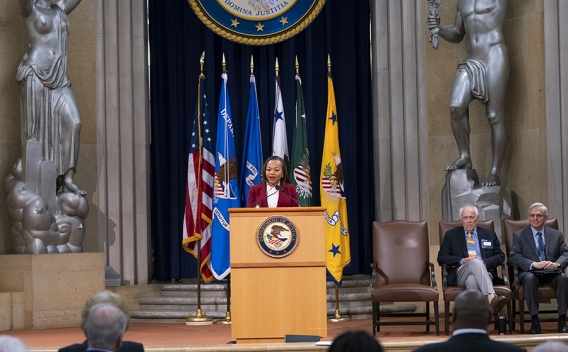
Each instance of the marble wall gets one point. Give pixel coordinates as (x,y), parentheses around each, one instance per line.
(81,71)
(525,166)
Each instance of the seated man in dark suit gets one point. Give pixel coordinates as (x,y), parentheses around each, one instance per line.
(535,248)
(472,255)
(120,303)
(471,317)
(105,327)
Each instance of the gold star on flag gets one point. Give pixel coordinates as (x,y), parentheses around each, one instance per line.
(234,23)
(259,27)
(284,21)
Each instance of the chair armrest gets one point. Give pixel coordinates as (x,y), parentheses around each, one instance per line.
(444,276)
(515,283)
(373,275)
(504,275)
(433,276)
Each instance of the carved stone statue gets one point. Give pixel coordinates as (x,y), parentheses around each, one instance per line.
(48,109)
(483,75)
(47,209)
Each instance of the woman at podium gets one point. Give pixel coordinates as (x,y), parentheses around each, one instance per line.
(274,190)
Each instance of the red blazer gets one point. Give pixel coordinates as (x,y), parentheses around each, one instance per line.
(286,198)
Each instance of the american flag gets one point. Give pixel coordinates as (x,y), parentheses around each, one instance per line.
(198,197)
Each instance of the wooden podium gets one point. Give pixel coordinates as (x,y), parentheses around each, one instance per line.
(274,295)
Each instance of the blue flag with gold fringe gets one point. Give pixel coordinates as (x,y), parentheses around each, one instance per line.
(225,186)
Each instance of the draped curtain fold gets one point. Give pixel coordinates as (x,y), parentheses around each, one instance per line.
(177,40)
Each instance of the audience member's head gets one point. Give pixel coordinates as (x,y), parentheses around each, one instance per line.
(105,297)
(11,344)
(105,326)
(356,341)
(471,310)
(551,346)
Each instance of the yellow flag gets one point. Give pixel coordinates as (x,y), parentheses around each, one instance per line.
(338,251)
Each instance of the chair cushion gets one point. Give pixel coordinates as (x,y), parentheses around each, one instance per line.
(544,291)
(451,292)
(404,293)
(501,290)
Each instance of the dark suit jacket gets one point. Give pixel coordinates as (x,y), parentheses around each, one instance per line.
(454,248)
(127,346)
(470,343)
(524,252)
(286,198)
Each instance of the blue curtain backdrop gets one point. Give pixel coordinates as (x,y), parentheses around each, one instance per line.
(177,40)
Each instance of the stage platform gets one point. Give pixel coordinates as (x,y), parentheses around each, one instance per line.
(158,337)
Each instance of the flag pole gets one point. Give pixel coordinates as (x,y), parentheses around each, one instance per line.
(227,319)
(337,318)
(199,318)
(276,67)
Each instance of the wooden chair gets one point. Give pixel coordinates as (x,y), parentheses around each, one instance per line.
(545,291)
(450,292)
(402,271)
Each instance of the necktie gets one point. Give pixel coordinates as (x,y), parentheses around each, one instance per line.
(470,246)
(540,246)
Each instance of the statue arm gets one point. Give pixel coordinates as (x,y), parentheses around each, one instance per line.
(69,5)
(453,34)
(26,7)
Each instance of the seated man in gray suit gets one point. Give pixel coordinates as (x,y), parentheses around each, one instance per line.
(471,317)
(538,248)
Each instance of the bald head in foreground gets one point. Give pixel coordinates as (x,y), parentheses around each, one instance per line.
(106,325)
(471,315)
(111,298)
(551,346)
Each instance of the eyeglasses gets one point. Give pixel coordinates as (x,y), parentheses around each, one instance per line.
(469,218)
(536,216)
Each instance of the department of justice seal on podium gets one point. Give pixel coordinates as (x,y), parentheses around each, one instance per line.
(277,237)
(256,22)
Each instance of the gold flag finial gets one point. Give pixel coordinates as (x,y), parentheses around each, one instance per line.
(276,67)
(297,66)
(224,64)
(202,60)
(328,64)
(251,65)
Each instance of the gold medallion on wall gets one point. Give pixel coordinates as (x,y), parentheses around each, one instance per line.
(256,22)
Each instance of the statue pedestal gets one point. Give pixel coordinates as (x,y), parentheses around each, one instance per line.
(462,187)
(40,291)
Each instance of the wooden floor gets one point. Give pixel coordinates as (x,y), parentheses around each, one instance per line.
(153,335)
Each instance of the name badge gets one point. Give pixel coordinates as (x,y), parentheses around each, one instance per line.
(486,244)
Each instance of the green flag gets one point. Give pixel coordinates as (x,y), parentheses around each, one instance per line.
(301,173)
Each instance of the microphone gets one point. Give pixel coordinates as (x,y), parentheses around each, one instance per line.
(292,199)
(261,199)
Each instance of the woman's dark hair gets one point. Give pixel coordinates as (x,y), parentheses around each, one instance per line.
(285,176)
(355,342)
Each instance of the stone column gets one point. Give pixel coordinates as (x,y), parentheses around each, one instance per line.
(399,109)
(556,68)
(123,137)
